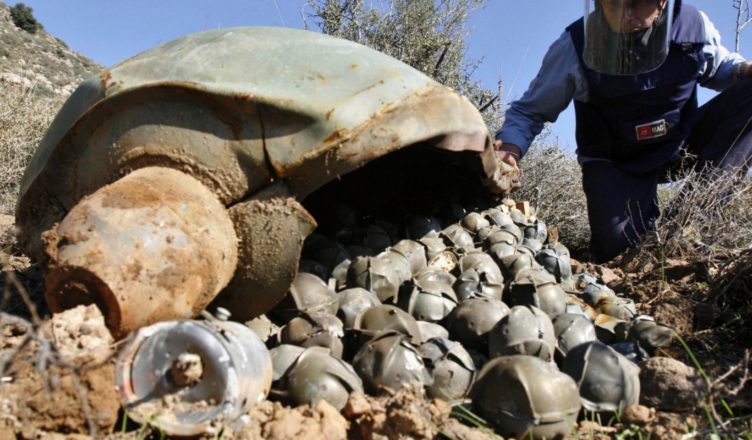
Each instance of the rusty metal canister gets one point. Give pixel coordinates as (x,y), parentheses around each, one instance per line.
(153,246)
(189,377)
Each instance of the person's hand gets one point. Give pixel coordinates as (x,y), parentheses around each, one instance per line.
(508,153)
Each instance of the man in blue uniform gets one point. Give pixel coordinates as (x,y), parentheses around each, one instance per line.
(632,68)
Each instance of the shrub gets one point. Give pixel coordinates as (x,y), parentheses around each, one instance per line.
(552,182)
(704,215)
(23,18)
(24,117)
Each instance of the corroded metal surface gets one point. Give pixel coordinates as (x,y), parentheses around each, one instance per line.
(271,227)
(156,245)
(236,375)
(238,108)
(262,117)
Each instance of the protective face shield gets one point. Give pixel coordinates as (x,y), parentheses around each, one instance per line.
(627,37)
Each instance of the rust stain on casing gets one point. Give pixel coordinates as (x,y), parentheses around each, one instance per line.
(153,246)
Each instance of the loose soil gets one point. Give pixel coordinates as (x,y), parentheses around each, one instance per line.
(678,293)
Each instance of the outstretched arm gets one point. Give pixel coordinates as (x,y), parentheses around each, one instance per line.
(559,79)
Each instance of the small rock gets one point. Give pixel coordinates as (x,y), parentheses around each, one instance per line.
(80,335)
(356,405)
(609,277)
(670,385)
(591,426)
(638,415)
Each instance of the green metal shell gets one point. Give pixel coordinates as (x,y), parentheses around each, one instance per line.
(238,109)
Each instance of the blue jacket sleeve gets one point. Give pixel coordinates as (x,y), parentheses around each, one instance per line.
(559,80)
(720,69)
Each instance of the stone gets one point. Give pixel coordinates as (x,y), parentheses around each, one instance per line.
(670,385)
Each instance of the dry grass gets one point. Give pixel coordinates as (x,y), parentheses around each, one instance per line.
(705,216)
(24,118)
(552,182)
(707,219)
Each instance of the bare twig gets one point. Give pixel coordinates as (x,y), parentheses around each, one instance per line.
(10,277)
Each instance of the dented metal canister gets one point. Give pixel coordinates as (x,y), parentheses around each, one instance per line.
(153,246)
(187,377)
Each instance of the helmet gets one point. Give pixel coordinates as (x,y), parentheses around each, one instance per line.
(560,248)
(377,237)
(307,293)
(414,252)
(339,274)
(377,275)
(500,250)
(583,279)
(314,329)
(264,328)
(621,308)
(576,305)
(316,375)
(498,217)
(537,231)
(631,350)
(428,300)
(525,330)
(431,274)
(514,393)
(390,360)
(536,287)
(283,356)
(480,276)
(519,218)
(571,330)
(533,244)
(609,329)
(514,230)
(417,226)
(329,254)
(501,236)
(457,237)
(594,294)
(352,302)
(386,317)
(649,334)
(452,212)
(452,368)
(556,264)
(474,222)
(472,320)
(433,245)
(484,232)
(430,330)
(608,381)
(627,37)
(399,262)
(514,263)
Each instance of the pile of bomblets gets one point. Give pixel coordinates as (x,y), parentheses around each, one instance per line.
(484,311)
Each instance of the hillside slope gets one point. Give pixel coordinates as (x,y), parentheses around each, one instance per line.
(40,60)
(37,73)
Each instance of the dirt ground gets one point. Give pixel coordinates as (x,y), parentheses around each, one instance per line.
(41,396)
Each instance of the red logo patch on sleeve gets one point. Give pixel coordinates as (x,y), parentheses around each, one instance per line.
(651,130)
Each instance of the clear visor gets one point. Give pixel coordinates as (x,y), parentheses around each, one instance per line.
(627,37)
